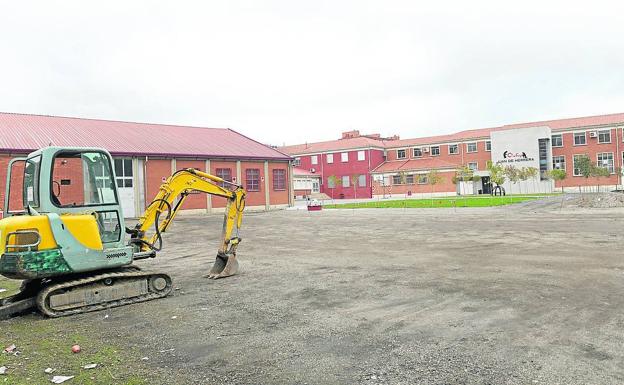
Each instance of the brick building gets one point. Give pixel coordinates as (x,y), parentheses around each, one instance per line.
(393,166)
(344,166)
(146,154)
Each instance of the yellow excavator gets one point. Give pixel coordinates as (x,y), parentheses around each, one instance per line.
(69,244)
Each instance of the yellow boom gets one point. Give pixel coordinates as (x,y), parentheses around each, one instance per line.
(169,199)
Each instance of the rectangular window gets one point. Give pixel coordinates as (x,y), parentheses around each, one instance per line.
(422,179)
(396,179)
(604,136)
(330,158)
(488,145)
(344,157)
(409,179)
(471,147)
(401,154)
(345,181)
(252,179)
(557,140)
(453,149)
(314,159)
(417,153)
(473,166)
(576,170)
(331,183)
(435,150)
(580,138)
(279,179)
(225,174)
(558,162)
(361,155)
(297,162)
(362,181)
(605,159)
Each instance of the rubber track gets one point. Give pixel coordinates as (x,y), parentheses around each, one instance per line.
(131,272)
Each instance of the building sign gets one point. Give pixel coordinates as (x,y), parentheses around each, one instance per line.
(513,157)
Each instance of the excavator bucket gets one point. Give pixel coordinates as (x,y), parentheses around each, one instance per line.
(225,265)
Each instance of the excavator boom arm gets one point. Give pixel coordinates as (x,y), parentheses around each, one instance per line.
(170,198)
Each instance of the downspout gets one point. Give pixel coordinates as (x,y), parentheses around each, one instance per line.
(145,183)
(369,176)
(618,156)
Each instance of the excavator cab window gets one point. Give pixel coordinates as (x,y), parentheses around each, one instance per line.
(82,179)
(31,181)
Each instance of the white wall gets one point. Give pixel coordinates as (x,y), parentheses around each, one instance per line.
(520,148)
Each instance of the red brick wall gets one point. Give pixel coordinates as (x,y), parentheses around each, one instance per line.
(17,178)
(218,202)
(71,170)
(197,200)
(373,158)
(254,198)
(461,158)
(278,197)
(592,148)
(156,170)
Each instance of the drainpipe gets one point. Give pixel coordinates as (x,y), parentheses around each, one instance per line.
(369,176)
(618,156)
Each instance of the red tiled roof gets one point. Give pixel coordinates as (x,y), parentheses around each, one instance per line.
(333,145)
(25,133)
(462,135)
(414,165)
(560,124)
(303,172)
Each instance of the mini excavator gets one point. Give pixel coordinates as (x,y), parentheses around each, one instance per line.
(69,245)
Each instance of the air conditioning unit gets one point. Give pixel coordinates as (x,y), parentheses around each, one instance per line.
(593,134)
(425,149)
(313,170)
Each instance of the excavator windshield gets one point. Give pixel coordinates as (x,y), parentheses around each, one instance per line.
(82,179)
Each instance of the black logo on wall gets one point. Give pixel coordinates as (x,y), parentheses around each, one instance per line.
(514,155)
(510,156)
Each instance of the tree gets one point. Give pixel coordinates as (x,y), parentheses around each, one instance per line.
(532,173)
(558,175)
(497,176)
(585,167)
(512,173)
(333,181)
(464,174)
(355,179)
(433,178)
(601,172)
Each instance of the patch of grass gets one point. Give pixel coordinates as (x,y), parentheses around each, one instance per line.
(437,202)
(12,286)
(46,343)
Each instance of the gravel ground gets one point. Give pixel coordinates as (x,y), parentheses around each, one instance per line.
(522,294)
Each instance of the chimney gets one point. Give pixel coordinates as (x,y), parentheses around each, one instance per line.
(351,134)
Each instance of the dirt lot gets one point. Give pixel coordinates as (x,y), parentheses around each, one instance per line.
(523,294)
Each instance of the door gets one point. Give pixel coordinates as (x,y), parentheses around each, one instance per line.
(125,185)
(315,186)
(487,186)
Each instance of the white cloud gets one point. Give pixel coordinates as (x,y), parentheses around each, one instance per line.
(294,71)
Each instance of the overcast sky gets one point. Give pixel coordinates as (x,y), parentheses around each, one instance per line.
(296,71)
